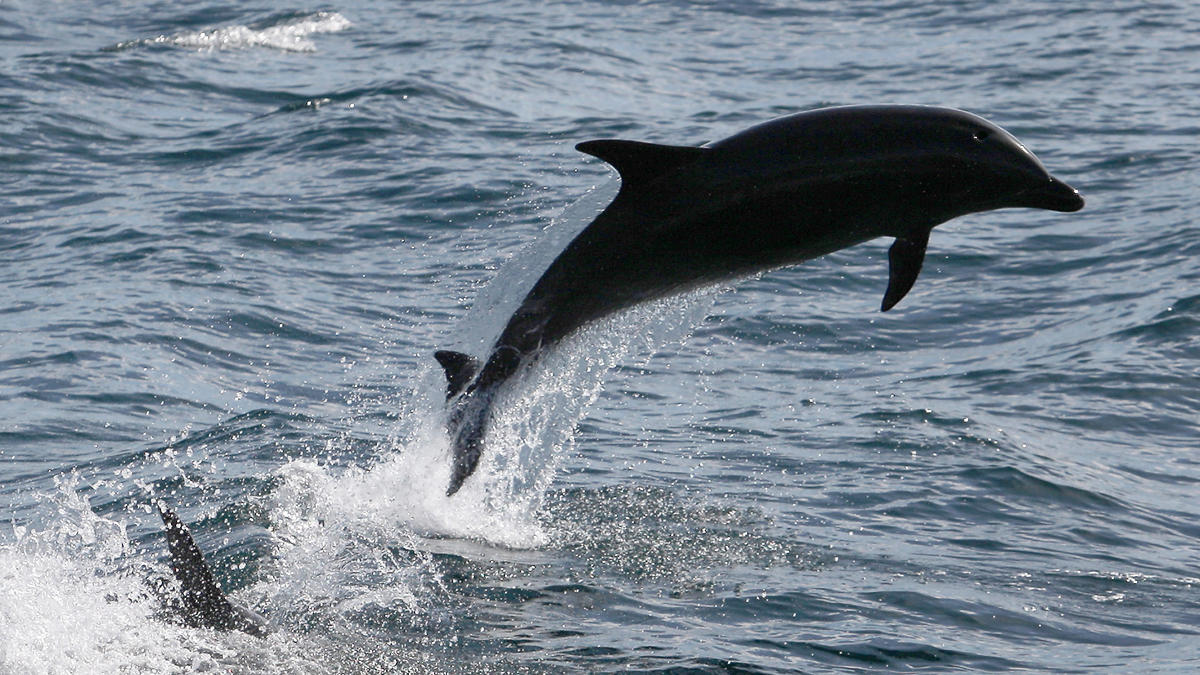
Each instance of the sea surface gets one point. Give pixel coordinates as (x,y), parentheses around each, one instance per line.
(233,234)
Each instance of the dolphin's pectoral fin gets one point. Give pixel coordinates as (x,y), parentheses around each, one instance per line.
(460,369)
(905,259)
(639,162)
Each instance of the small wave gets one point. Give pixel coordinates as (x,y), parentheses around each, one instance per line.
(631,532)
(887,653)
(291,35)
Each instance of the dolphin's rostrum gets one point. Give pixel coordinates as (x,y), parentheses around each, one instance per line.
(777,194)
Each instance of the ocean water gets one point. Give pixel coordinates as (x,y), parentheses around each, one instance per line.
(232,236)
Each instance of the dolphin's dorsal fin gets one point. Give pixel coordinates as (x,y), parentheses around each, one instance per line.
(204,604)
(202,597)
(460,370)
(199,588)
(638,162)
(905,258)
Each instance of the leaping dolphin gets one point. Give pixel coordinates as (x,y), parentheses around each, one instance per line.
(203,604)
(777,194)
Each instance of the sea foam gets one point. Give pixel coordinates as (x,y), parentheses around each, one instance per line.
(291,35)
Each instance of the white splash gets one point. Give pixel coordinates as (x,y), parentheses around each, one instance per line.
(291,35)
(405,490)
(401,499)
(403,495)
(75,599)
(532,429)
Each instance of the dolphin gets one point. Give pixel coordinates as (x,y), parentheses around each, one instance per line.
(202,603)
(777,194)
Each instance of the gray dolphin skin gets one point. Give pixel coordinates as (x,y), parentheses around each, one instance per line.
(777,194)
(203,604)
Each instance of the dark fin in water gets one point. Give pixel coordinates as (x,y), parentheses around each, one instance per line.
(204,604)
(638,162)
(460,370)
(905,258)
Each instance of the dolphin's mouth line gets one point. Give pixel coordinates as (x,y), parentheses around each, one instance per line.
(1053,194)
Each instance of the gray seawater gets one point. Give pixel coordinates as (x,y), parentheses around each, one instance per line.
(231,237)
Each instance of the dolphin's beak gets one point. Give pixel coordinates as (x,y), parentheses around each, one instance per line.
(1052,194)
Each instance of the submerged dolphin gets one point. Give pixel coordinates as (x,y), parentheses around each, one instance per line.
(777,194)
(203,604)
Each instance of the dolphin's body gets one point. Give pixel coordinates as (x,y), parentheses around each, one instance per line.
(202,603)
(777,194)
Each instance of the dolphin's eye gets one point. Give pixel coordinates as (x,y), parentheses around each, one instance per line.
(981,134)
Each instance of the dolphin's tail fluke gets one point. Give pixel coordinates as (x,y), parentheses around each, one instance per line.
(468,416)
(472,410)
(204,604)
(466,458)
(468,426)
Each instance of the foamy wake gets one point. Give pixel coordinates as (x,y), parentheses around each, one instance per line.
(291,35)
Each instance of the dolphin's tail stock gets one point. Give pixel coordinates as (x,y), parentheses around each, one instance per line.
(203,603)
